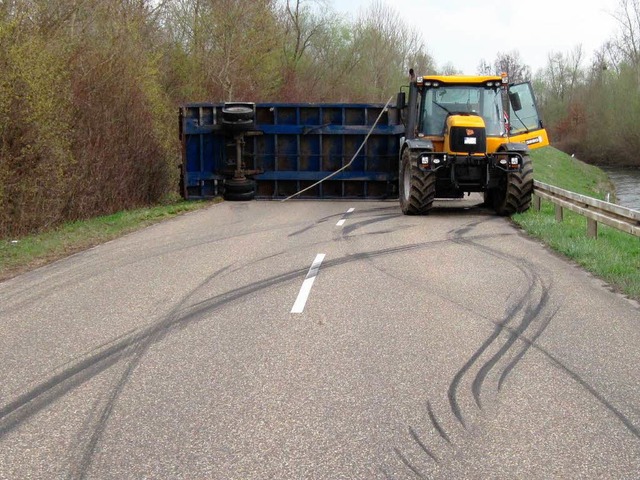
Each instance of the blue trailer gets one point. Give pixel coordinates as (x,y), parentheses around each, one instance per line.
(283,148)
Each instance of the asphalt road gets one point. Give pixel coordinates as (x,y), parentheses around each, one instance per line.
(303,340)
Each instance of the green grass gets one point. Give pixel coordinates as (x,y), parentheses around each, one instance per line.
(614,256)
(557,168)
(22,254)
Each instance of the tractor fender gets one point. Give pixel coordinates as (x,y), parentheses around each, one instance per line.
(416,145)
(514,147)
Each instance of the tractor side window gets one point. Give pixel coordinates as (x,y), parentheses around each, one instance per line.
(492,112)
(524,113)
(433,114)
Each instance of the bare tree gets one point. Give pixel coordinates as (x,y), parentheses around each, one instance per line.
(564,72)
(628,41)
(484,68)
(450,69)
(512,65)
(303,24)
(387,48)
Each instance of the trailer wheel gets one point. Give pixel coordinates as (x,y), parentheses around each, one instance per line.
(237,113)
(238,197)
(239,189)
(417,187)
(237,118)
(515,196)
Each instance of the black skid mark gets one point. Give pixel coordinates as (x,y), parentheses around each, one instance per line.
(530,313)
(103,419)
(80,371)
(527,345)
(315,224)
(436,424)
(544,321)
(386,474)
(79,275)
(526,303)
(409,465)
(350,228)
(421,444)
(452,392)
(628,424)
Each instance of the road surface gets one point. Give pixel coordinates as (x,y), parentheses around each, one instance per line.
(318,340)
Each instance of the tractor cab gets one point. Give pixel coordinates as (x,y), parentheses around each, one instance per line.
(508,113)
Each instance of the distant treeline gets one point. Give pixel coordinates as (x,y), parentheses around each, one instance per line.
(89,89)
(594,110)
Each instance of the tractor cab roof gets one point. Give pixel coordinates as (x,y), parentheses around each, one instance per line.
(461,80)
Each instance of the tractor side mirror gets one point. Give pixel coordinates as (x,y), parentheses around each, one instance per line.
(514,98)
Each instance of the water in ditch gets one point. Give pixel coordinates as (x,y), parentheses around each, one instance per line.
(627,183)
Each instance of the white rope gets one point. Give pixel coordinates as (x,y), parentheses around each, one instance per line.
(333,174)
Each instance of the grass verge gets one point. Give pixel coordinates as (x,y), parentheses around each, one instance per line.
(614,256)
(23,254)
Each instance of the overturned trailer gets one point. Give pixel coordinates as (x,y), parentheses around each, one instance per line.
(274,150)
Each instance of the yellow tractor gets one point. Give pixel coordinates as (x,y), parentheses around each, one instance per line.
(468,134)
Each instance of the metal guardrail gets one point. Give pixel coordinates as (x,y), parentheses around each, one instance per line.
(596,211)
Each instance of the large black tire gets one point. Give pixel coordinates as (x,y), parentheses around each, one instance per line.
(515,196)
(235,197)
(239,189)
(237,113)
(488,196)
(417,187)
(237,118)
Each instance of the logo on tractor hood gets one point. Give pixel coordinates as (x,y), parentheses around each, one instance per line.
(470,132)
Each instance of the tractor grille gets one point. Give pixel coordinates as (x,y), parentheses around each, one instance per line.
(468,139)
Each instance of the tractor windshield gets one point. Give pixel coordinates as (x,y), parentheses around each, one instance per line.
(437,103)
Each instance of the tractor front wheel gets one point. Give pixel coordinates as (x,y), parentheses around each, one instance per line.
(417,187)
(515,195)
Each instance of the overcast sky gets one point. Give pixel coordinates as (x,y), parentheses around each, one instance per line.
(463,32)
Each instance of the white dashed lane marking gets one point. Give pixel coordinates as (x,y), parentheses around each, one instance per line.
(344,218)
(305,290)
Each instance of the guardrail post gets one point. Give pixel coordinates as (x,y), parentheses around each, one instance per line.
(536,203)
(559,213)
(592,228)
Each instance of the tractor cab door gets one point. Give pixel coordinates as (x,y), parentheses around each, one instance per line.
(525,124)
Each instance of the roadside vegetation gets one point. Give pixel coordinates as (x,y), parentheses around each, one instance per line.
(614,256)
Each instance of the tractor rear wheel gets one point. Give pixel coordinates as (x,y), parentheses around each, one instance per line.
(515,196)
(417,187)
